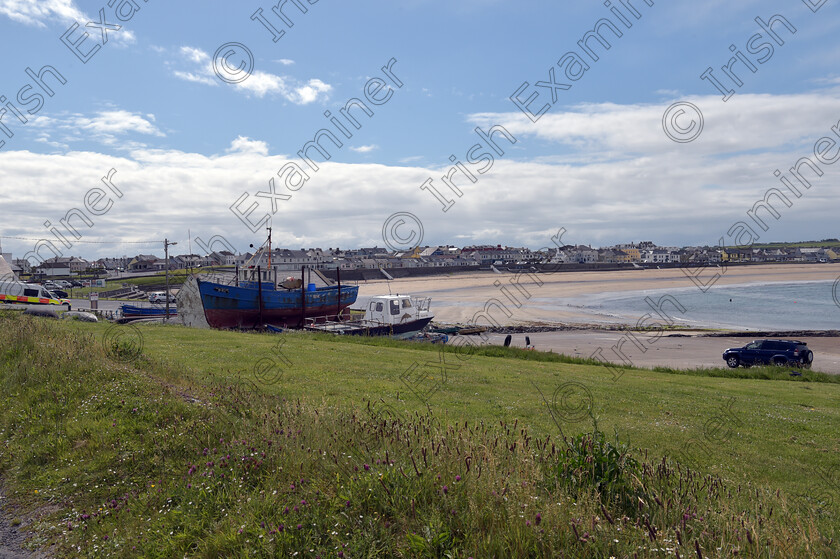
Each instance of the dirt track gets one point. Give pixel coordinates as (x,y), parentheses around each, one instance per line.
(11,537)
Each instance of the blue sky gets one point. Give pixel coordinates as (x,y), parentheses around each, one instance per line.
(186,145)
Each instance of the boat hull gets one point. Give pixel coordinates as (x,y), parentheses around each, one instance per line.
(395,330)
(130,311)
(364,328)
(227,306)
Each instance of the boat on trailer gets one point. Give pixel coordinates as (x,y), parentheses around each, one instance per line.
(398,316)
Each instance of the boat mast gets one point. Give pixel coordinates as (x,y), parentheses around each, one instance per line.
(269,247)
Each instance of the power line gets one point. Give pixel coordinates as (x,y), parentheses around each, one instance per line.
(89,242)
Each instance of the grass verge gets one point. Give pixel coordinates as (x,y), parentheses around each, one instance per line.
(163,452)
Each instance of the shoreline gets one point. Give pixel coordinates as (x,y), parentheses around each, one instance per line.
(557,300)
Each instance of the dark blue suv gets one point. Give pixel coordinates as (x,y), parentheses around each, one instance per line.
(770,352)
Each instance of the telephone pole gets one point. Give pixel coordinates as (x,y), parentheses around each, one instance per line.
(166,245)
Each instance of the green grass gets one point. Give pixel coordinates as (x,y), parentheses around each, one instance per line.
(98,428)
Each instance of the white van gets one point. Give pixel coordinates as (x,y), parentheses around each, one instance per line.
(29,294)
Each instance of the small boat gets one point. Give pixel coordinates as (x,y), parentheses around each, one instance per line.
(132,312)
(398,316)
(446,330)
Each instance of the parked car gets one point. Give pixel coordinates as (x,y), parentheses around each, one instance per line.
(76,283)
(770,352)
(60,293)
(63,284)
(160,297)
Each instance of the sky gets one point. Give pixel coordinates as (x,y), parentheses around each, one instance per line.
(195,114)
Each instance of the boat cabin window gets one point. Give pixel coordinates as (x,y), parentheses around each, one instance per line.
(395,308)
(374,306)
(406,303)
(31,293)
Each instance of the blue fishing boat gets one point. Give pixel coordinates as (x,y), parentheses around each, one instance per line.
(255,298)
(133,312)
(251,305)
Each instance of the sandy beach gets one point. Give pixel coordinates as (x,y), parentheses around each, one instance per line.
(457,298)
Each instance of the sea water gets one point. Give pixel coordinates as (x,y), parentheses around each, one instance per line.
(805,305)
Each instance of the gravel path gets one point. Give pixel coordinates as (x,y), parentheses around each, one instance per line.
(11,537)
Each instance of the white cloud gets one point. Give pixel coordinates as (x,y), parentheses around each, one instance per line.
(196,78)
(285,61)
(243,144)
(612,176)
(117,122)
(745,122)
(365,149)
(36,12)
(103,127)
(310,92)
(258,84)
(39,12)
(195,55)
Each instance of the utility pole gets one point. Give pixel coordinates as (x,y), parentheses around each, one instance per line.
(166,245)
(269,257)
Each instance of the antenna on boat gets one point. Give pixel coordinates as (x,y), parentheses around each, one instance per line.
(388,279)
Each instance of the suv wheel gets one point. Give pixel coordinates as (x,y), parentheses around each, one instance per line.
(780,361)
(807,357)
(733,361)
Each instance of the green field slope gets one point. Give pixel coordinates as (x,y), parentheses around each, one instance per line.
(162,441)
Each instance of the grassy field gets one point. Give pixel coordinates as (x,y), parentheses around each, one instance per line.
(166,441)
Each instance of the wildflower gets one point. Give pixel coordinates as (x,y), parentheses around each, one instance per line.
(457,478)
(445,489)
(367,467)
(538,519)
